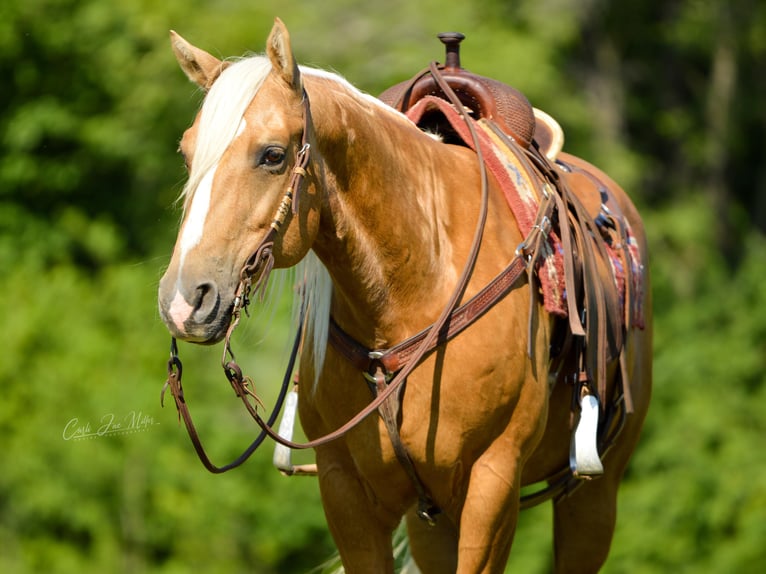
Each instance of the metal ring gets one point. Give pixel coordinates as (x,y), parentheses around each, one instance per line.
(544,226)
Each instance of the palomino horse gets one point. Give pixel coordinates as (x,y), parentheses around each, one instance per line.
(391,213)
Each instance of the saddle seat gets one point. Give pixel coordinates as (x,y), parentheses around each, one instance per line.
(484,97)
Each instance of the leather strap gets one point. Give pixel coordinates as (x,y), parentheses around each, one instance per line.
(389,411)
(175,372)
(396,357)
(258,265)
(429,340)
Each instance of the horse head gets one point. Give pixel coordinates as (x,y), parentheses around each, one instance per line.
(241,153)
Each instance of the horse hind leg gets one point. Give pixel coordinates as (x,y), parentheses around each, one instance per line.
(584,521)
(433,547)
(583,525)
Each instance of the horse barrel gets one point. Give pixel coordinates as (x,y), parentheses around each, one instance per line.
(487,98)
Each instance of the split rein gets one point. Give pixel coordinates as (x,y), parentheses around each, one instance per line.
(254,276)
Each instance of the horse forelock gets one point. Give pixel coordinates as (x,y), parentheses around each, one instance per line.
(222,115)
(227,101)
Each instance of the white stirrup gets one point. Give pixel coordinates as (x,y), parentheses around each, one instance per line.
(583,453)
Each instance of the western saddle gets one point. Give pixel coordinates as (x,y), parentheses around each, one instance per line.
(485,97)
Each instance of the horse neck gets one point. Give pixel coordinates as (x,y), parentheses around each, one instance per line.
(390,198)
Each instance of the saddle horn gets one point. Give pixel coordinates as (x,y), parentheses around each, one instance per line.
(485,97)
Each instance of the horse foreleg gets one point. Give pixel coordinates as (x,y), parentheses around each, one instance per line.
(490,512)
(361,534)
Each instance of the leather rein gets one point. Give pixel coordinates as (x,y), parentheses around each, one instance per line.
(394,364)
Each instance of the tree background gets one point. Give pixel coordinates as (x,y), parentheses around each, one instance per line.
(665,96)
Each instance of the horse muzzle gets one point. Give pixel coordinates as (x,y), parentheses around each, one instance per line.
(198,314)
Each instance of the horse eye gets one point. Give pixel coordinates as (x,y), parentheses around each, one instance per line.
(272,157)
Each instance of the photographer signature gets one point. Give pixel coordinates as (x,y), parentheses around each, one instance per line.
(109,424)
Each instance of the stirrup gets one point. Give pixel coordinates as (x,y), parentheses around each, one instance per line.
(282,454)
(584,459)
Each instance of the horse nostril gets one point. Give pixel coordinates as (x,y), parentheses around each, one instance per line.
(206,302)
(200,295)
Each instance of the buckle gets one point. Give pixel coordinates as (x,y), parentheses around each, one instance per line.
(375,365)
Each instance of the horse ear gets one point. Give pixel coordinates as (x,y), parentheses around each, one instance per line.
(280,53)
(199,66)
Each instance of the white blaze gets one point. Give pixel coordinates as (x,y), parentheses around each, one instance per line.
(198,210)
(200,206)
(241,128)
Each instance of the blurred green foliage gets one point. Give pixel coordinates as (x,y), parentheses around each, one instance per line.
(665,96)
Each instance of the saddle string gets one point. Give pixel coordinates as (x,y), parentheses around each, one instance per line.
(578,234)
